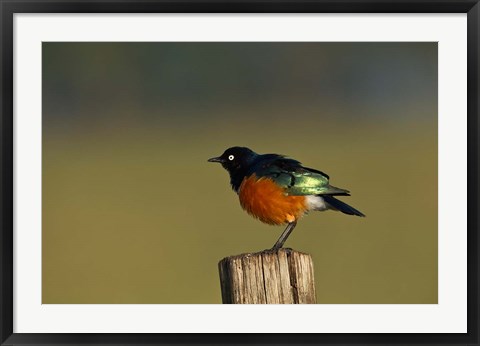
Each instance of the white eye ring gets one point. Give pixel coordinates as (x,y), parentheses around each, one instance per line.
(231,157)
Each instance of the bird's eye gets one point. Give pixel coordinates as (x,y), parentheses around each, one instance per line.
(231,157)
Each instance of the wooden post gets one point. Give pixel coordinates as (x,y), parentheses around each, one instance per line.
(283,276)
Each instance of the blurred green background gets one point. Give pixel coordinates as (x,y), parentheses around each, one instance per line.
(133,213)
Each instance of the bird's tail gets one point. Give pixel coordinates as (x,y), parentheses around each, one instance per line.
(340,206)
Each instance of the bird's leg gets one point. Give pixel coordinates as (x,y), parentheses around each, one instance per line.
(284,235)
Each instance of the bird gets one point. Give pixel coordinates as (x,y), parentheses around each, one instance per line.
(278,190)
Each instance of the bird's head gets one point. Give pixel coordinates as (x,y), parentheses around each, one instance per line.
(235,159)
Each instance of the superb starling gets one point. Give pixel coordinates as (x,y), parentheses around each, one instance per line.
(279,190)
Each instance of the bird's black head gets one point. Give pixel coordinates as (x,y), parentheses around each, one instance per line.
(235,158)
(236,161)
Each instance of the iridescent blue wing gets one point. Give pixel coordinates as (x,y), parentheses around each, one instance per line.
(293,177)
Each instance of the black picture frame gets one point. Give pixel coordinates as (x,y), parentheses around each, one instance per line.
(10,7)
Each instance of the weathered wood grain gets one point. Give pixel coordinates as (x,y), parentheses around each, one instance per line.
(283,276)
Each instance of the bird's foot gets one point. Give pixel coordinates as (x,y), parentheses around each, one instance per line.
(276,248)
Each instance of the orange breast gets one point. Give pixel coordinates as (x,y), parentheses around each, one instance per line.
(265,200)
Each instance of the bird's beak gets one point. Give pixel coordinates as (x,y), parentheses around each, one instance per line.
(216,159)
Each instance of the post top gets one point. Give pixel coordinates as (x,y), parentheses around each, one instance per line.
(286,251)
